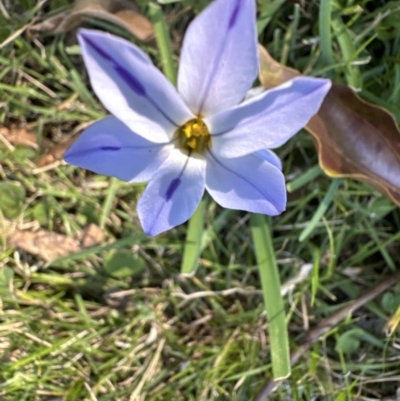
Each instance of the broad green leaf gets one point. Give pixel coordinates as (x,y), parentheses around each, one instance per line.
(12,199)
(390,302)
(123,263)
(6,276)
(41,212)
(349,341)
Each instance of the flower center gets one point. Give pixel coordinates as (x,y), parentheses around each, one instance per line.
(194,136)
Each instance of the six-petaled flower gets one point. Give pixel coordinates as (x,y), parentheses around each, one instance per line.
(203,135)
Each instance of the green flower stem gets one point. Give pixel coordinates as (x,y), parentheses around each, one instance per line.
(195,230)
(194,236)
(163,41)
(271,288)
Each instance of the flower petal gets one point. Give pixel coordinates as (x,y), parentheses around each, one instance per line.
(246,183)
(219,58)
(109,147)
(270,157)
(173,194)
(268,120)
(130,87)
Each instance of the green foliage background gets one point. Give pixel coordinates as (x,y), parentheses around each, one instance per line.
(118,322)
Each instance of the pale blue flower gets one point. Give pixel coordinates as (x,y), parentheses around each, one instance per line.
(201,136)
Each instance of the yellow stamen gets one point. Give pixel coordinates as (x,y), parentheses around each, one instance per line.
(194,136)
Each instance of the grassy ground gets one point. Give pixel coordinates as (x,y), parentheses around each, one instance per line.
(117,321)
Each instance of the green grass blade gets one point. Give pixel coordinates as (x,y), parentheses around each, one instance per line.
(267,10)
(315,273)
(194,236)
(325,33)
(294,29)
(346,43)
(305,178)
(271,288)
(105,212)
(322,208)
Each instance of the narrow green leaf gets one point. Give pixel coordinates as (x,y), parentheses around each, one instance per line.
(315,273)
(81,88)
(322,208)
(271,287)
(294,29)
(346,43)
(80,303)
(332,249)
(105,212)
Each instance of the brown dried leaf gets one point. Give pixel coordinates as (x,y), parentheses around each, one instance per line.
(50,152)
(44,244)
(271,72)
(353,138)
(50,246)
(20,136)
(358,140)
(120,12)
(54,153)
(91,236)
(393,323)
